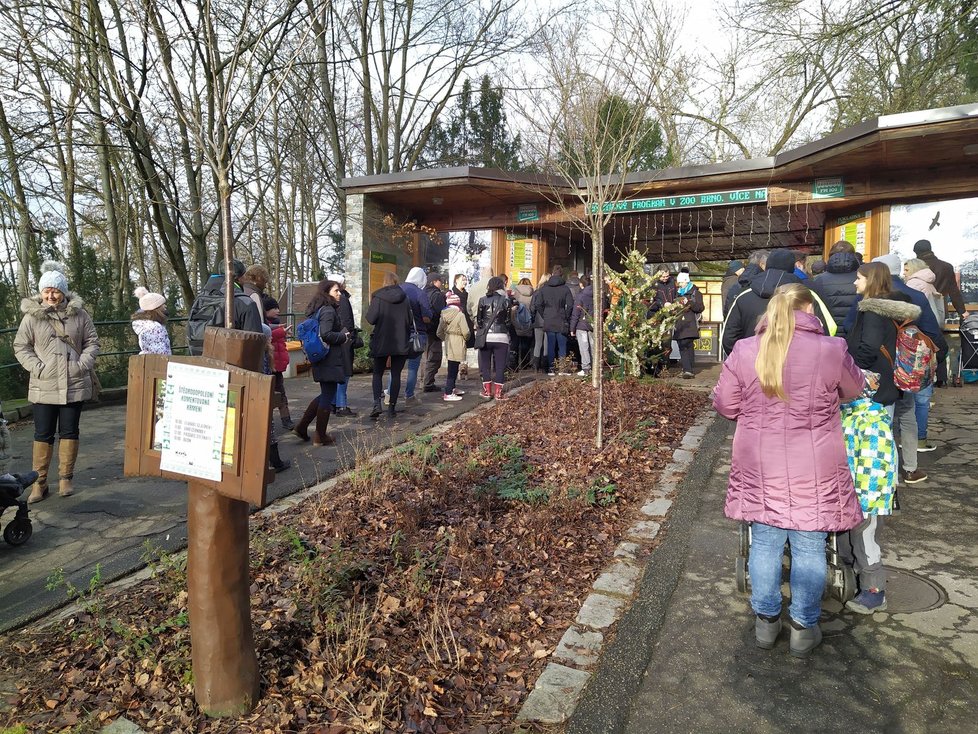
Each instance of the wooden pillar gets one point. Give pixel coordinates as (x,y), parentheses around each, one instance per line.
(499,252)
(225,664)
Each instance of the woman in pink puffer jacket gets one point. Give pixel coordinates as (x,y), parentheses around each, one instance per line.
(789,474)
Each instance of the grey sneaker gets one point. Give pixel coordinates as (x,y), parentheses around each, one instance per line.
(766,632)
(413,400)
(804,639)
(868,602)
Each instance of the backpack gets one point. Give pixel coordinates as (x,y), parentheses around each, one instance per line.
(914,362)
(523,319)
(312,343)
(207,310)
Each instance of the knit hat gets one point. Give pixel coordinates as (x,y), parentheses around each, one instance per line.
(781,259)
(452,299)
(921,247)
(435,277)
(268,302)
(416,277)
(733,266)
(53,276)
(892,261)
(682,278)
(237,268)
(148,301)
(336,278)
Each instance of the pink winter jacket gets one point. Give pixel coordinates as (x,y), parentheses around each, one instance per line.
(789,466)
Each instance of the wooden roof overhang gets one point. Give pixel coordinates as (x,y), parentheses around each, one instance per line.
(903,158)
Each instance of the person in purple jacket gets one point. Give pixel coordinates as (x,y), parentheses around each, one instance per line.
(789,474)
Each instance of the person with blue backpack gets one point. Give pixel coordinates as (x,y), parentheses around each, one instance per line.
(324,349)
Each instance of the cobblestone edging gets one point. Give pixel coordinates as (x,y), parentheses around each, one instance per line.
(559,687)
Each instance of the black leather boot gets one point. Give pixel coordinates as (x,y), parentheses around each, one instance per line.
(275,460)
(377,410)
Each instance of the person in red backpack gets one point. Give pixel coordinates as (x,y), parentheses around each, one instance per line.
(280,357)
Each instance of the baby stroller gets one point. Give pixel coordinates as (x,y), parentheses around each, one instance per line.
(968,353)
(840,580)
(12,486)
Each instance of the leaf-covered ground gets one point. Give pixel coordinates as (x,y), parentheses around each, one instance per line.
(425,594)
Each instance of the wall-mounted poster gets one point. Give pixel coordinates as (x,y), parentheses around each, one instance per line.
(521,258)
(381,263)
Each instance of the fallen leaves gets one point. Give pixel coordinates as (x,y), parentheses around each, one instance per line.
(413,599)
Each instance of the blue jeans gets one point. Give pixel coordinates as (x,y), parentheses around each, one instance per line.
(413,365)
(340,401)
(922,409)
(807,572)
(556,347)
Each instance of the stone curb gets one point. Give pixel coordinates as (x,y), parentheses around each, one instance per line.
(558,689)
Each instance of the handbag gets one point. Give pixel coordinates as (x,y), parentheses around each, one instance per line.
(92,374)
(415,347)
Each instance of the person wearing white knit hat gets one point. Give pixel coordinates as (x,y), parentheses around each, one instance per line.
(149,323)
(56,342)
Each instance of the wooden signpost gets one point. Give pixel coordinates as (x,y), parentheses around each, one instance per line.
(223,393)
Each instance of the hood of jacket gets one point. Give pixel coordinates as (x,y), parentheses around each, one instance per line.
(391,294)
(751,271)
(33,307)
(417,277)
(926,275)
(842,262)
(524,290)
(556,280)
(588,293)
(143,326)
(898,310)
(803,321)
(768,281)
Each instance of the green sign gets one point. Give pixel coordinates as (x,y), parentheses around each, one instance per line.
(382,257)
(527,213)
(829,188)
(685,201)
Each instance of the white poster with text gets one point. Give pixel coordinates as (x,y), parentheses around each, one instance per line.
(192,431)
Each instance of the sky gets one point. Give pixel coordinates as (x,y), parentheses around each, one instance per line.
(954,238)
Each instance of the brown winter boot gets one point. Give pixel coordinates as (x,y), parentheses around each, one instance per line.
(499,392)
(321,438)
(301,428)
(42,460)
(67,454)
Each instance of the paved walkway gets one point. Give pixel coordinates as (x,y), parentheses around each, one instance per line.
(684,660)
(119,522)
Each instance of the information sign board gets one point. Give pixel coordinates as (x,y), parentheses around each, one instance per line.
(685,201)
(191,434)
(833,187)
(527,213)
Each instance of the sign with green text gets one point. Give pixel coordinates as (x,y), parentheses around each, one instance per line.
(685,201)
(527,213)
(829,188)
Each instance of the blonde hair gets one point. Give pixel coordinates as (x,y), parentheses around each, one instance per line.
(914,265)
(777,329)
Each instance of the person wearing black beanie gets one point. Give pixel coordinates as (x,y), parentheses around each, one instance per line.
(750,305)
(944,281)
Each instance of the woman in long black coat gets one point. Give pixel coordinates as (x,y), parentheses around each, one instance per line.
(390,314)
(331,370)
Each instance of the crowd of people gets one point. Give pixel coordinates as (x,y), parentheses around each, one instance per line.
(824,432)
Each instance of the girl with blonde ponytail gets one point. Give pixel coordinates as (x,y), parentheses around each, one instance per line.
(789,473)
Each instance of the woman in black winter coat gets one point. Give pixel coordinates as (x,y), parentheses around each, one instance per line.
(390,315)
(493,319)
(330,370)
(874,330)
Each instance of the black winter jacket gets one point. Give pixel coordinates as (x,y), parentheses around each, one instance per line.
(494,314)
(944,280)
(751,271)
(391,316)
(837,286)
(750,305)
(345,312)
(583,318)
(874,328)
(333,367)
(436,299)
(247,317)
(553,303)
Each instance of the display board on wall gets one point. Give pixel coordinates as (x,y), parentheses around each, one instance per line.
(521,258)
(381,263)
(856,229)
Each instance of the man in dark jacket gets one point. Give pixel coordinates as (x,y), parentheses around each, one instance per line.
(208,308)
(553,303)
(750,305)
(755,266)
(433,350)
(837,285)
(944,280)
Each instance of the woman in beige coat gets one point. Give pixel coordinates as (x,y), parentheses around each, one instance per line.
(57,344)
(453,330)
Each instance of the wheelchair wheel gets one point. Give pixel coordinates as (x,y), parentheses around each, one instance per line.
(742,575)
(18,531)
(744,540)
(848,590)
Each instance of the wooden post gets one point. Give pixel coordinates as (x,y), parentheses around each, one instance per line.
(225,664)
